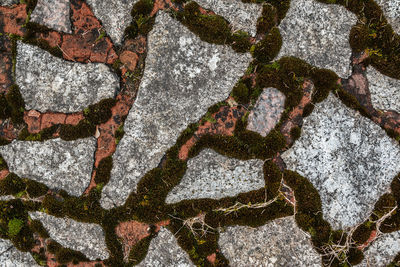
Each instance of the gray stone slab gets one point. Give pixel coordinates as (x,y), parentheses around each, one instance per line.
(382,251)
(318,33)
(267,111)
(242,16)
(391,10)
(12,257)
(49,83)
(54,14)
(278,243)
(349,159)
(57,163)
(115,16)
(182,78)
(211,175)
(8,2)
(385,91)
(87,238)
(165,251)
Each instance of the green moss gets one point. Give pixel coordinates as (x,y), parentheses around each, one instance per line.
(267,20)
(104,170)
(362,233)
(5,109)
(37,227)
(14,227)
(139,251)
(16,103)
(308,109)
(83,129)
(324,81)
(66,255)
(53,206)
(11,185)
(295,132)
(359,38)
(272,176)
(3,164)
(100,112)
(268,48)
(241,42)
(351,101)
(384,205)
(4,141)
(241,93)
(35,189)
(143,7)
(355,256)
(23,241)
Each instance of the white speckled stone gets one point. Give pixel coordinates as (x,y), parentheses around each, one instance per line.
(242,16)
(211,175)
(278,243)
(115,16)
(8,2)
(391,10)
(382,251)
(12,257)
(56,163)
(165,251)
(385,91)
(54,14)
(49,83)
(87,238)
(182,78)
(349,159)
(318,33)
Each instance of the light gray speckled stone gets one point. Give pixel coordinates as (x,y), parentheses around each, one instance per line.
(53,14)
(349,159)
(267,111)
(8,2)
(12,257)
(165,251)
(391,10)
(385,91)
(318,33)
(211,175)
(115,16)
(50,83)
(87,238)
(182,78)
(56,163)
(242,16)
(382,251)
(278,243)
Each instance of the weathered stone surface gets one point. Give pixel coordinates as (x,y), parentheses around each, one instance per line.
(8,2)
(267,111)
(349,159)
(278,243)
(12,257)
(242,16)
(87,238)
(382,251)
(49,83)
(318,33)
(165,251)
(115,16)
(211,175)
(53,14)
(56,163)
(385,91)
(391,10)
(183,77)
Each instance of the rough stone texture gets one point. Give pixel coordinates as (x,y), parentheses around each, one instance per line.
(211,175)
(391,10)
(53,14)
(349,159)
(115,16)
(242,16)
(267,111)
(318,33)
(8,2)
(56,163)
(183,77)
(87,238)
(12,257)
(385,91)
(382,251)
(278,243)
(165,251)
(50,83)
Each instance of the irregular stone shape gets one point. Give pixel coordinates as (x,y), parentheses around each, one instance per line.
(12,257)
(8,2)
(242,16)
(278,243)
(56,163)
(53,14)
(182,78)
(385,91)
(349,159)
(115,16)
(267,111)
(165,251)
(87,238)
(391,10)
(382,251)
(50,83)
(211,175)
(318,33)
